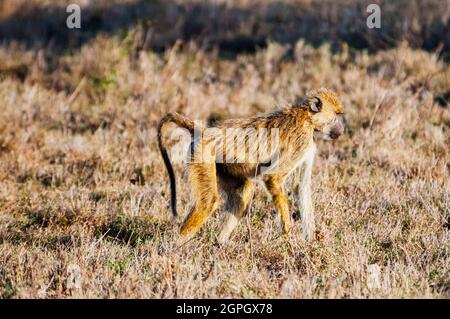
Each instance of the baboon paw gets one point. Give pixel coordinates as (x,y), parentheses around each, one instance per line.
(186,232)
(308,236)
(222,241)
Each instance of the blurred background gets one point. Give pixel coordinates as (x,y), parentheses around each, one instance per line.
(230,26)
(36,45)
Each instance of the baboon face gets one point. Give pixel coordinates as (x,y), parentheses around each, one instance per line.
(326,112)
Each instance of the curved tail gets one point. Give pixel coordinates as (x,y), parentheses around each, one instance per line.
(183,122)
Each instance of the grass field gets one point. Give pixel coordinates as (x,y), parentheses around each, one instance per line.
(84,196)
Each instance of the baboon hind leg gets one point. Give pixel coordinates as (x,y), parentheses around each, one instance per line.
(203,182)
(238,199)
(274,185)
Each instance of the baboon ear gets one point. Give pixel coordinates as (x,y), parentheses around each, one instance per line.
(315,105)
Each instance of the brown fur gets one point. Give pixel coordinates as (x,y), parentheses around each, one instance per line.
(296,125)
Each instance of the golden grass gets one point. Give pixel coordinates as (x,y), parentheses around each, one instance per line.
(84,194)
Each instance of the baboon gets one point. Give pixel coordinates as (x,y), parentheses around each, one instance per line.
(317,114)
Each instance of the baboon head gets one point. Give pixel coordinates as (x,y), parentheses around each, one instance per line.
(325,111)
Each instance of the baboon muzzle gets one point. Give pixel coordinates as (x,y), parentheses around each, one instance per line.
(337,129)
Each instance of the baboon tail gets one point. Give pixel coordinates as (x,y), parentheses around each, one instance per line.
(184,123)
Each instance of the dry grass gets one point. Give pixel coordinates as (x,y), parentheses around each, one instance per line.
(83,191)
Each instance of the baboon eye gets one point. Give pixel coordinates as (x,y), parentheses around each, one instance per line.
(316,106)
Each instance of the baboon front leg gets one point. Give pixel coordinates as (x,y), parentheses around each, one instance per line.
(303,199)
(238,199)
(206,199)
(274,184)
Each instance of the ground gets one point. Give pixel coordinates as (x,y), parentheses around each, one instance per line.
(84,196)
